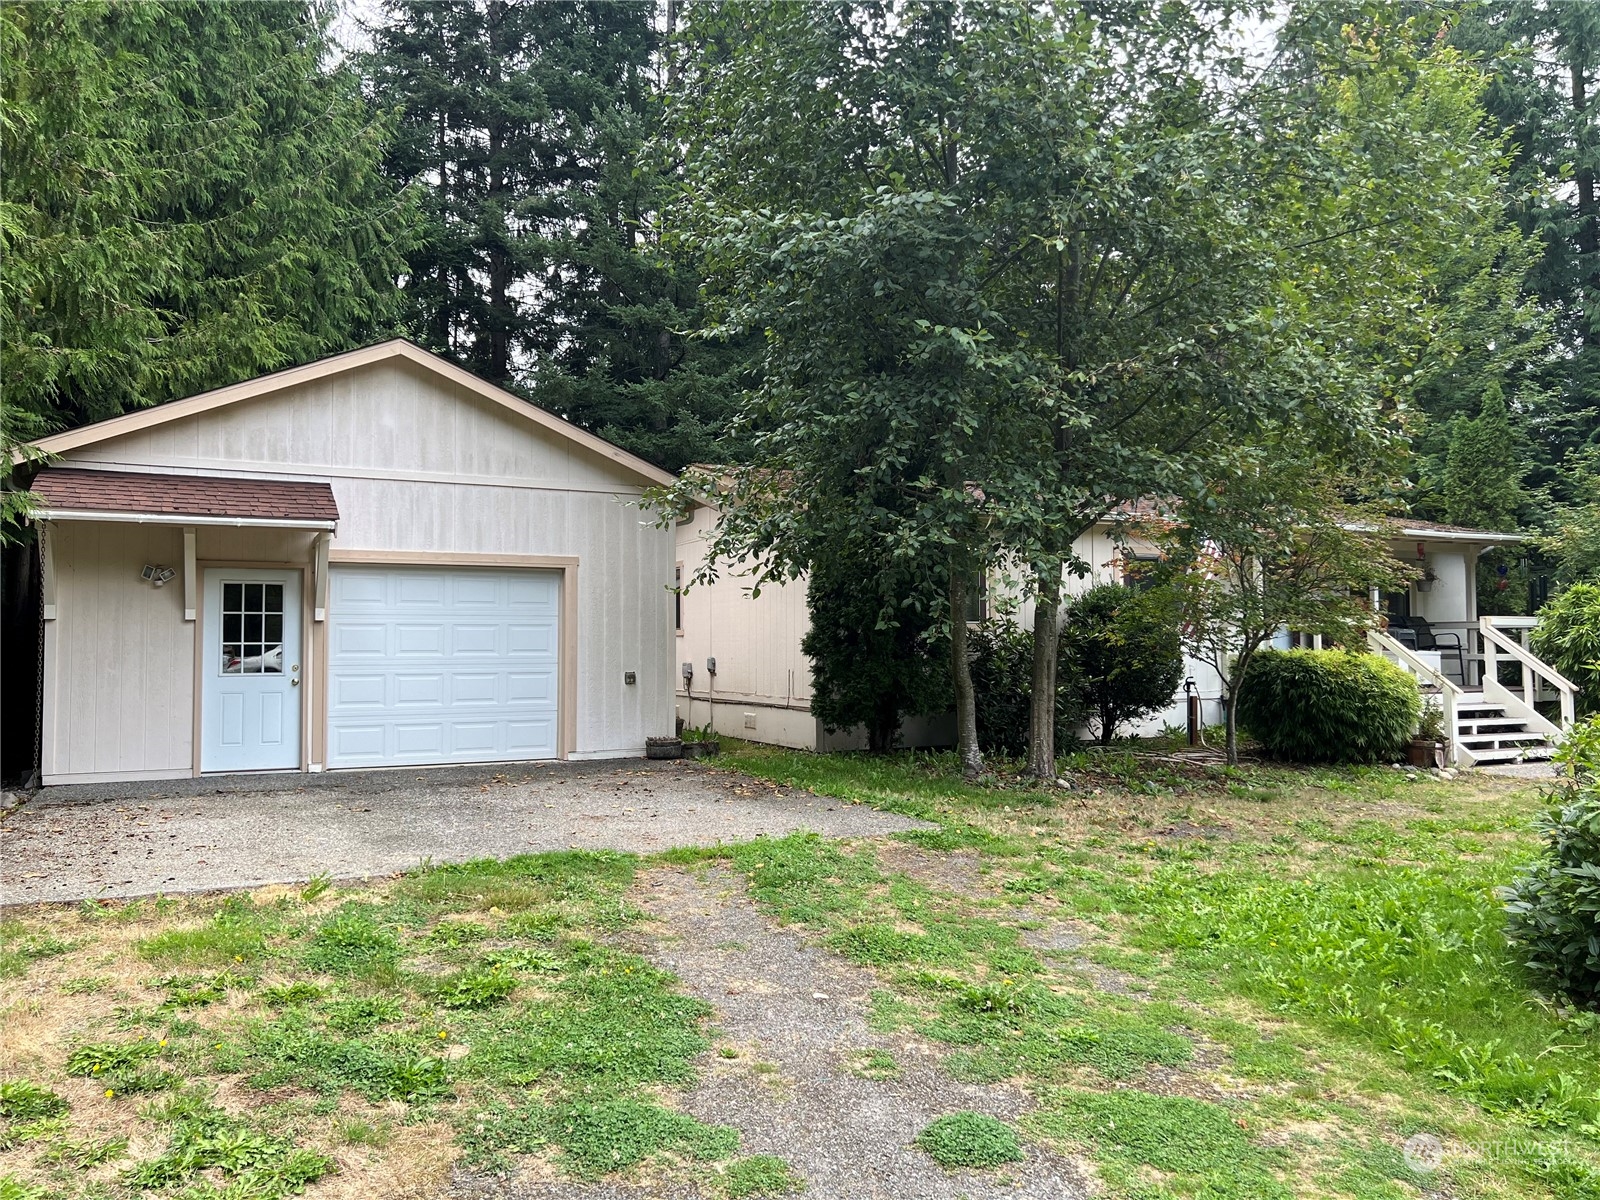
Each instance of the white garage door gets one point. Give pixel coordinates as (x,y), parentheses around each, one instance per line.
(441,665)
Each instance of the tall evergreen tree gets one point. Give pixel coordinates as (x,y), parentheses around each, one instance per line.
(527,124)
(190,197)
(1544,94)
(1483,471)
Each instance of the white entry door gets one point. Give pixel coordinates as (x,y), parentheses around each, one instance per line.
(252,670)
(442,665)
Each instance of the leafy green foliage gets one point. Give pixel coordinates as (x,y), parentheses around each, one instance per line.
(1482,477)
(359,1014)
(1013,330)
(759,1175)
(874,659)
(1554,904)
(21,1100)
(378,1066)
(1328,706)
(191,198)
(351,941)
(1482,489)
(1568,638)
(476,989)
(540,265)
(1121,653)
(1002,680)
(257,1164)
(1541,58)
(611,1135)
(119,1064)
(969,1139)
(1276,545)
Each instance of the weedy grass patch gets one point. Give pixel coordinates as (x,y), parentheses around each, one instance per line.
(969,1139)
(757,1176)
(276,1029)
(1329,935)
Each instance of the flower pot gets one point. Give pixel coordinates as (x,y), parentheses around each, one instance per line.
(701,749)
(663,747)
(1421,752)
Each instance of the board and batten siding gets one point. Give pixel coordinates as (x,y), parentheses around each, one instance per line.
(119,688)
(419,467)
(756,642)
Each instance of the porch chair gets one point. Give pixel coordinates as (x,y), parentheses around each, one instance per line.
(1448,644)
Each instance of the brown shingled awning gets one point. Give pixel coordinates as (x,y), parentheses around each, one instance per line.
(67,493)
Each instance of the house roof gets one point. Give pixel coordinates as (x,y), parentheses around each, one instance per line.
(1434,531)
(398,348)
(66,493)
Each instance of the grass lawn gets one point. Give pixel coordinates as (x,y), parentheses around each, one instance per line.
(1214,984)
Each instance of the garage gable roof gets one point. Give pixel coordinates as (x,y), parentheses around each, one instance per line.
(265,385)
(65,491)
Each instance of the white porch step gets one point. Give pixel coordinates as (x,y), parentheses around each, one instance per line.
(1490,735)
(1540,753)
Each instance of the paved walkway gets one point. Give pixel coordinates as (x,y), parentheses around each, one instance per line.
(87,842)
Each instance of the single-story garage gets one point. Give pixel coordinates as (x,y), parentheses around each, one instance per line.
(376,559)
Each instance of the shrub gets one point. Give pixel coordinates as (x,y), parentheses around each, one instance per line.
(865,671)
(1554,904)
(1002,677)
(1568,638)
(1328,706)
(1121,654)
(969,1139)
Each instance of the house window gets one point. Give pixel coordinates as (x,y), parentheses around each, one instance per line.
(977,599)
(252,629)
(677,598)
(1139,571)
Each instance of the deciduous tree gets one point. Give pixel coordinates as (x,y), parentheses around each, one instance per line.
(1276,546)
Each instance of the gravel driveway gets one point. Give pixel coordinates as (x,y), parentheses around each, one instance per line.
(118,840)
(795,1015)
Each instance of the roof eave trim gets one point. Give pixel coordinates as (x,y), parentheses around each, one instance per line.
(1457,535)
(138,518)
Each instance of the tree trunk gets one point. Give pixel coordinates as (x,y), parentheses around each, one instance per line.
(1230,720)
(1588,218)
(1042,702)
(961,676)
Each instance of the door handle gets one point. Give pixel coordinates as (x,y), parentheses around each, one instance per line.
(294,683)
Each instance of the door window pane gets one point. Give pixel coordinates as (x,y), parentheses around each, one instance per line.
(252,629)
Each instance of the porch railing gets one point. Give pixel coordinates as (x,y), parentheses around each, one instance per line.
(1428,676)
(1503,639)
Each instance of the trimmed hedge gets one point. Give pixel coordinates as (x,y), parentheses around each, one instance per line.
(1328,706)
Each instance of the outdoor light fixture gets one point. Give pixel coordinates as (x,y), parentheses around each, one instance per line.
(156,576)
